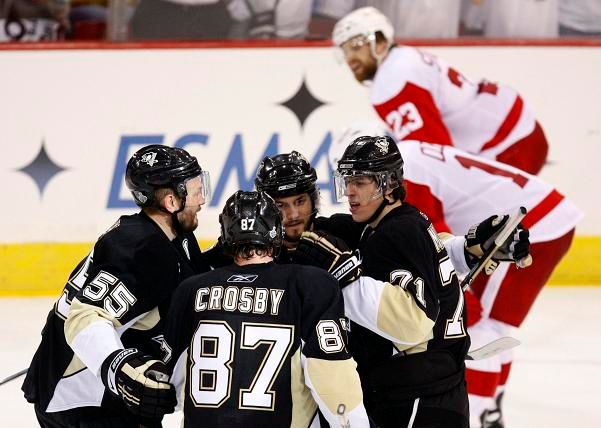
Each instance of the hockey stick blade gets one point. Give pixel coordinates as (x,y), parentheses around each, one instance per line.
(493,348)
(503,236)
(13,376)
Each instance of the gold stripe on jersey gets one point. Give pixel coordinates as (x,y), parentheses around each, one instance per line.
(303,405)
(75,366)
(82,315)
(400,316)
(182,386)
(445,236)
(336,382)
(148,321)
(417,348)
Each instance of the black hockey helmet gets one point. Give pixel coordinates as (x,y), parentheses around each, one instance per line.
(287,174)
(156,167)
(376,156)
(251,218)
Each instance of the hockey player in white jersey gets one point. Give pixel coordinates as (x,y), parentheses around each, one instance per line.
(456,189)
(420,97)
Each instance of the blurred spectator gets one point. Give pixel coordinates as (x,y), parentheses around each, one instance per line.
(472,18)
(410,18)
(511,18)
(580,17)
(88,19)
(33,20)
(266,19)
(181,20)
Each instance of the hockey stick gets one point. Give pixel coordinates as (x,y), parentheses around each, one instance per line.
(503,236)
(13,376)
(493,348)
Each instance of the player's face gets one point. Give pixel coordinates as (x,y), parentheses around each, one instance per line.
(364,196)
(296,212)
(188,218)
(357,54)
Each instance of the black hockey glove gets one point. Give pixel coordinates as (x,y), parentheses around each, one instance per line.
(482,235)
(140,381)
(329,253)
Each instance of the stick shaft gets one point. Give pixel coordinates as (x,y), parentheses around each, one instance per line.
(503,236)
(13,376)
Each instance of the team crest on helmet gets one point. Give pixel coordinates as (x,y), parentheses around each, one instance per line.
(382,144)
(149,158)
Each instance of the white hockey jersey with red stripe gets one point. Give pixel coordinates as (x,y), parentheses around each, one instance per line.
(456,190)
(421,98)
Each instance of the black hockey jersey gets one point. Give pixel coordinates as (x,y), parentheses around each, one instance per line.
(259,345)
(130,276)
(405,250)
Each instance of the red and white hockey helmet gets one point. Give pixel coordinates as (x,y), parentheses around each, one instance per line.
(365,21)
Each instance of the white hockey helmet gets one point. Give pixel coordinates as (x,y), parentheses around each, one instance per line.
(365,21)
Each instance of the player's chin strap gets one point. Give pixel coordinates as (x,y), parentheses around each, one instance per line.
(174,220)
(379,210)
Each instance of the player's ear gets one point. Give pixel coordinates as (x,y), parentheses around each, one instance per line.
(170,201)
(388,196)
(381,46)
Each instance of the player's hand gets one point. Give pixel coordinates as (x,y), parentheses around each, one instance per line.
(140,381)
(482,235)
(329,253)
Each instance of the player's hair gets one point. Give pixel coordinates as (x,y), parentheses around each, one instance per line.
(248,251)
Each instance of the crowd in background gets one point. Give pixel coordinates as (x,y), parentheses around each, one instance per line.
(42,20)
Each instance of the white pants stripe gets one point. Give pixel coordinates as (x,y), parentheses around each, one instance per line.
(413,413)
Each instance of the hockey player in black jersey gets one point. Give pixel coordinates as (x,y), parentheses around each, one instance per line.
(92,367)
(291,180)
(377,306)
(418,381)
(259,344)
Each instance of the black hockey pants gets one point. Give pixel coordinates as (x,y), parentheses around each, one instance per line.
(92,417)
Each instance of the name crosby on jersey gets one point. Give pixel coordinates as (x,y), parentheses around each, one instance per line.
(233,298)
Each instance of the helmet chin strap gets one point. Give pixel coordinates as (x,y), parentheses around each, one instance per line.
(174,219)
(378,211)
(372,48)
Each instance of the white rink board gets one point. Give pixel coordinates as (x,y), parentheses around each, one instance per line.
(86,105)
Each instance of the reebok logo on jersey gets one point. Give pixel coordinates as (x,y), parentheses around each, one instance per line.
(238,277)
